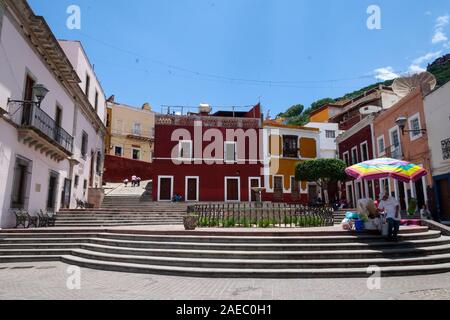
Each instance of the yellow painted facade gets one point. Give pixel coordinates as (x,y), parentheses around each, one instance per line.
(280,163)
(320,116)
(132,132)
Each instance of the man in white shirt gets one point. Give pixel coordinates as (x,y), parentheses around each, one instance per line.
(391,207)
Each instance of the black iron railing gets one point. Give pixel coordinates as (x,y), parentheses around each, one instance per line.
(29,114)
(261,215)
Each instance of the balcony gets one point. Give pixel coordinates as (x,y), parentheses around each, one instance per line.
(37,129)
(394,152)
(141,135)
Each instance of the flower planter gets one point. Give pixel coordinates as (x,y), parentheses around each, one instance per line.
(190,222)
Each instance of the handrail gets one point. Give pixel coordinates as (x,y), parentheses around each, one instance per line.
(29,114)
(261,215)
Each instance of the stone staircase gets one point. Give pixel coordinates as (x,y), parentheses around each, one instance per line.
(123,210)
(230,254)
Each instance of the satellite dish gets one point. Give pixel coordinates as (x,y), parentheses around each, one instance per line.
(405,85)
(367,110)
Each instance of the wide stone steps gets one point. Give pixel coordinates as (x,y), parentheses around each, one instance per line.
(419,251)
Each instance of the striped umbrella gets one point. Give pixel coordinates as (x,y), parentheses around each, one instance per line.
(386,168)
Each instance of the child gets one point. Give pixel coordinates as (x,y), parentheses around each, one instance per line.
(125,182)
(425,214)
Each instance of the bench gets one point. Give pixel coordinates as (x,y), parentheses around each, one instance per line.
(46,220)
(24,219)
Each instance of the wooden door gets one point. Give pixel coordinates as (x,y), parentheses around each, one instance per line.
(192,189)
(278,189)
(28,96)
(165,189)
(295,189)
(254,183)
(232,190)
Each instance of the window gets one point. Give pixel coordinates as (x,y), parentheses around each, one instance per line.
(21,182)
(98,165)
(346,159)
(88,84)
(118,151)
(230,152)
(445,149)
(136,154)
(84,145)
(185,149)
(381,146)
(85,183)
(77,181)
(96,101)
(395,138)
(330,134)
(414,125)
(354,156)
(364,152)
(137,129)
(290,146)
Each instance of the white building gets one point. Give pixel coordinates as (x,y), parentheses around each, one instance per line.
(437,114)
(328,134)
(43,147)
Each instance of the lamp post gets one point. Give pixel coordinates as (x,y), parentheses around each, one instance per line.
(40,91)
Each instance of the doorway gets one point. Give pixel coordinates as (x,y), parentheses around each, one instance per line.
(165,190)
(312,193)
(295,189)
(232,190)
(192,188)
(278,188)
(65,194)
(444,199)
(349,192)
(254,183)
(52,189)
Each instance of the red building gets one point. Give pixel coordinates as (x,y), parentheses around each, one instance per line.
(208,157)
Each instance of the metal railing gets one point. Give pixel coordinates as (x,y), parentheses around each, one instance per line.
(261,215)
(28,114)
(394,152)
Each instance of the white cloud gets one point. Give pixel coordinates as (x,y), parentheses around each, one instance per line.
(413,69)
(439,34)
(386,73)
(442,21)
(427,57)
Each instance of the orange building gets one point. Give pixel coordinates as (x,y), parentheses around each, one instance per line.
(285,146)
(412,146)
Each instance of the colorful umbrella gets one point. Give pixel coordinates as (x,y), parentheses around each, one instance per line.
(386,168)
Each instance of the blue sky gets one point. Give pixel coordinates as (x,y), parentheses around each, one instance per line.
(186,52)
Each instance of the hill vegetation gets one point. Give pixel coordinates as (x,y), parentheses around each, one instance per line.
(298,115)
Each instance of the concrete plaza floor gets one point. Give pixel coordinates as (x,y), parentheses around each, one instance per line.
(48,280)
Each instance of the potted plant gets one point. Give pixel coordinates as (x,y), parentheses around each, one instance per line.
(412,206)
(190,221)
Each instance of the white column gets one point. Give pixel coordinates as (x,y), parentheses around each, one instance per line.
(413,189)
(406,195)
(424,185)
(397,190)
(366,188)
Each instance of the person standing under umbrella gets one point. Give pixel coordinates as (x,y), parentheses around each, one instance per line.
(391,207)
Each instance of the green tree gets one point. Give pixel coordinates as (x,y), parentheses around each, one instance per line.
(293,111)
(319,103)
(321,171)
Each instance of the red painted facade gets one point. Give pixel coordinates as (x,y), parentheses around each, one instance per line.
(211,177)
(118,168)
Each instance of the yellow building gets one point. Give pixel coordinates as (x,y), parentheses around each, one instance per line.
(285,147)
(130,131)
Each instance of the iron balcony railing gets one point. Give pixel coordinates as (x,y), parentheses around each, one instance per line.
(394,152)
(29,115)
